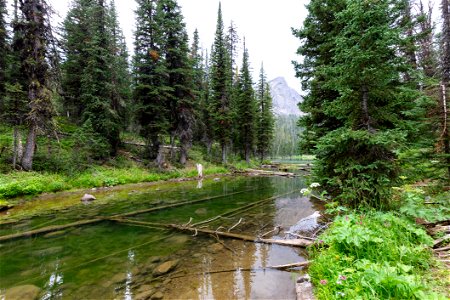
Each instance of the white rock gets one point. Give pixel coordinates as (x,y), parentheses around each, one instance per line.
(88,197)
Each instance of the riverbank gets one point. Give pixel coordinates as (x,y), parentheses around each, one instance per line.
(383,255)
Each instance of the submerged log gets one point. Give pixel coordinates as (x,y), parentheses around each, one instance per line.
(293,243)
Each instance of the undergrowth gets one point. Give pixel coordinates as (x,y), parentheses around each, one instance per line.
(376,255)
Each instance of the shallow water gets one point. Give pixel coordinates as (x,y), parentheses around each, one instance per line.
(109,260)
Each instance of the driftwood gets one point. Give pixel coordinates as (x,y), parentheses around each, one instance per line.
(432,224)
(293,243)
(441,240)
(446,248)
(438,229)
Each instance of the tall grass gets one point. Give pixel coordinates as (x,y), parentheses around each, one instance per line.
(372,256)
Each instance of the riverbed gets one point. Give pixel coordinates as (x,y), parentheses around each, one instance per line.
(110,260)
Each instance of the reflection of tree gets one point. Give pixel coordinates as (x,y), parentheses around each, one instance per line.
(53,285)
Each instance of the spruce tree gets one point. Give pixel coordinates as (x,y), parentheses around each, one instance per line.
(220,104)
(265,121)
(317,38)
(36,34)
(356,162)
(150,90)
(4,52)
(445,88)
(179,85)
(246,108)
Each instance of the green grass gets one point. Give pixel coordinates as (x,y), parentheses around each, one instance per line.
(376,255)
(16,184)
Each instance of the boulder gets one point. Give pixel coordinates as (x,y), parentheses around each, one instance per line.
(88,197)
(165,268)
(23,292)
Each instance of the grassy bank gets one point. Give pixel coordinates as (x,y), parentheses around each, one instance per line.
(380,255)
(17,184)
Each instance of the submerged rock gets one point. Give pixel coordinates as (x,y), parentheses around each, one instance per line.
(23,292)
(215,248)
(157,296)
(88,197)
(165,268)
(201,211)
(144,295)
(48,251)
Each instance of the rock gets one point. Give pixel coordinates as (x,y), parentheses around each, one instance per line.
(165,268)
(201,211)
(144,295)
(5,207)
(304,288)
(215,248)
(119,278)
(216,179)
(178,239)
(88,197)
(23,292)
(154,259)
(55,234)
(157,296)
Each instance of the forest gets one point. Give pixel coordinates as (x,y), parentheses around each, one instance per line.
(79,111)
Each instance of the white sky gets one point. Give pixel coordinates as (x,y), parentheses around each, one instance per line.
(266,25)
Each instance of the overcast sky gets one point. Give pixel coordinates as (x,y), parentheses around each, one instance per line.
(266,25)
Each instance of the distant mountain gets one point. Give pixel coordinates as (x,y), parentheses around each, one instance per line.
(285,99)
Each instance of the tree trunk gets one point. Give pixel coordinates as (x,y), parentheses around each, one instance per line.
(183,153)
(17,147)
(172,146)
(224,153)
(365,109)
(247,154)
(30,146)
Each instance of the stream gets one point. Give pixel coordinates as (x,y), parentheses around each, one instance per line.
(109,260)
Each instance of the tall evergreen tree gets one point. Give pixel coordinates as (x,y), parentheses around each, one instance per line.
(265,121)
(179,86)
(445,88)
(149,78)
(36,35)
(4,52)
(357,160)
(317,37)
(246,108)
(220,105)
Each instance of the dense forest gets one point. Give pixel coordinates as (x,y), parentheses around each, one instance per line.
(73,96)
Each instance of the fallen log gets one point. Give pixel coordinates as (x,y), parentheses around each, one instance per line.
(293,242)
(97,220)
(441,240)
(446,248)
(270,173)
(49,229)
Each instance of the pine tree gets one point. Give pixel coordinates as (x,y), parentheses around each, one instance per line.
(246,108)
(220,104)
(179,85)
(265,122)
(149,71)
(357,160)
(4,52)
(445,88)
(96,79)
(317,37)
(36,35)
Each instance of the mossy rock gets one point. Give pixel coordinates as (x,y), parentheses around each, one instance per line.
(165,268)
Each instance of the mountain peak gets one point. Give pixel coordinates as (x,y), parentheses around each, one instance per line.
(285,99)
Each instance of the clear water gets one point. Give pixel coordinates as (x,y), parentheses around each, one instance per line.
(108,260)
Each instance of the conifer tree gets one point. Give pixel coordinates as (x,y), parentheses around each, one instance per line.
(220,104)
(4,53)
(246,108)
(179,86)
(35,30)
(445,81)
(148,69)
(265,121)
(357,160)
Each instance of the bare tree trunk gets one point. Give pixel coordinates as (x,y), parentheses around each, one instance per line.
(17,147)
(160,159)
(172,146)
(30,146)
(183,154)
(224,153)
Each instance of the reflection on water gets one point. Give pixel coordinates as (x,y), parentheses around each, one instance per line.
(119,261)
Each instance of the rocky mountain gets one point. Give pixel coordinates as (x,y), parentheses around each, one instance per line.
(285,99)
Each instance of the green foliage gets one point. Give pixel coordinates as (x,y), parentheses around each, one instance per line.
(371,256)
(266,121)
(411,203)
(358,167)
